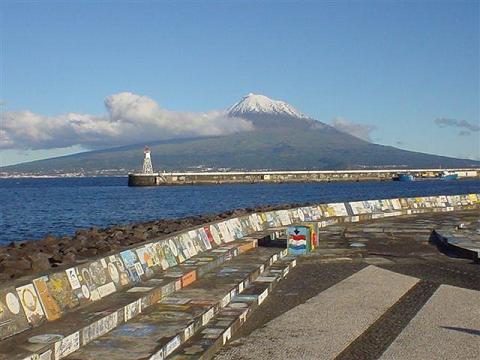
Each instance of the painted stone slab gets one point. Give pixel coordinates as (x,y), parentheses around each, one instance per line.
(260,220)
(254,221)
(270,219)
(133,309)
(152,248)
(145,257)
(339,209)
(205,237)
(99,328)
(189,278)
(247,245)
(12,315)
(246,224)
(185,244)
(316,213)
(95,281)
(132,265)
(284,217)
(396,205)
(49,303)
(174,252)
(31,304)
(225,232)
(215,231)
(197,241)
(298,240)
(230,227)
(358,207)
(67,345)
(234,227)
(309,214)
(210,237)
(117,271)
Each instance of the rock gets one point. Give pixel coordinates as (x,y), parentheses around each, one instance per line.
(4,276)
(40,261)
(16,263)
(69,258)
(56,259)
(49,240)
(88,252)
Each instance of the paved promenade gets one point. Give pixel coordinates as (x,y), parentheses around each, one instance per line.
(376,287)
(395,296)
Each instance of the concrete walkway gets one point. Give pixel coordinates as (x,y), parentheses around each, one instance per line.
(327,323)
(447,327)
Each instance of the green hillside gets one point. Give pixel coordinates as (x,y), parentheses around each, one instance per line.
(281,149)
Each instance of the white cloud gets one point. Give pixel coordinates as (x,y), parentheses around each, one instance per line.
(359,130)
(130,119)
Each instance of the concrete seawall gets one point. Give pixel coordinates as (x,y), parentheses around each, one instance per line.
(141,275)
(188,178)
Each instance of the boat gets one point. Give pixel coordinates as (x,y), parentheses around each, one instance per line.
(448,175)
(404,177)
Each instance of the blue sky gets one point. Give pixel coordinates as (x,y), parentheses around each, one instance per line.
(393,66)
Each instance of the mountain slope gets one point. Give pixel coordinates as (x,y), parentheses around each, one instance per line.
(283,139)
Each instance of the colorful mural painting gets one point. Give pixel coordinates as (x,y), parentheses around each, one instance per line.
(299,240)
(160,267)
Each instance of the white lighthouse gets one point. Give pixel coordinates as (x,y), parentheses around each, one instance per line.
(147,162)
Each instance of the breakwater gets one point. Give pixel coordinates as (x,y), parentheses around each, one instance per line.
(249,177)
(157,268)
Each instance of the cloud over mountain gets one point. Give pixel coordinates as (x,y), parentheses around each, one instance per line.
(130,118)
(465,127)
(358,130)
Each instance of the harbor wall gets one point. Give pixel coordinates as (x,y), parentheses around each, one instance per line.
(249,177)
(119,270)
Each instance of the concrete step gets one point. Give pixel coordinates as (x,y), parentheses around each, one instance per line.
(57,339)
(329,322)
(447,327)
(210,338)
(167,324)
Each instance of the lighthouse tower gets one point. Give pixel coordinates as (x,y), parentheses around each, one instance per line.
(147,162)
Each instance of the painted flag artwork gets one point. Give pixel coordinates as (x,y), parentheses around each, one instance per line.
(298,240)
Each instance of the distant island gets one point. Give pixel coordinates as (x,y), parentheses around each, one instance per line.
(281,138)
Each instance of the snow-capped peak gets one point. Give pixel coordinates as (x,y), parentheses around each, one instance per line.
(261,104)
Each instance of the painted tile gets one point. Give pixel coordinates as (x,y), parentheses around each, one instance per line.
(31,304)
(12,315)
(132,264)
(67,345)
(99,328)
(189,278)
(216,234)
(49,304)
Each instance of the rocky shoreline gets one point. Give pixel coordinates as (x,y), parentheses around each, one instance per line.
(37,256)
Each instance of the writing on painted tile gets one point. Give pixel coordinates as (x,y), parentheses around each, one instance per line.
(172,345)
(99,328)
(132,310)
(262,296)
(189,331)
(206,317)
(67,345)
(227,335)
(157,356)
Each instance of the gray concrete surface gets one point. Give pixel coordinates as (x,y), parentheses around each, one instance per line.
(326,324)
(447,327)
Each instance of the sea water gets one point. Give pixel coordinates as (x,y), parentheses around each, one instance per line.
(33,208)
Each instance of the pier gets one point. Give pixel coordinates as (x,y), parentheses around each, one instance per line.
(252,177)
(150,178)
